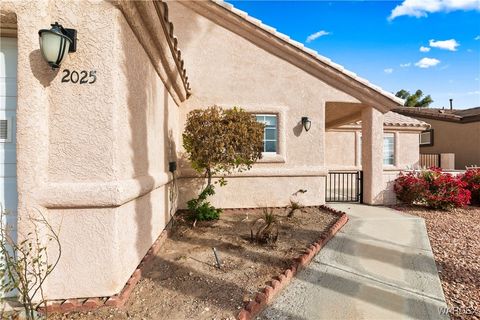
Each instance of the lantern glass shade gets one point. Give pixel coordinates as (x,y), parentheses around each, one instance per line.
(54,46)
(307,123)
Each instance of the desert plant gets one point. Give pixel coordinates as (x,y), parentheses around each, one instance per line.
(25,265)
(219,141)
(266,228)
(295,203)
(292,207)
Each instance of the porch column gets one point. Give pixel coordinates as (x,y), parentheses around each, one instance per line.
(372,155)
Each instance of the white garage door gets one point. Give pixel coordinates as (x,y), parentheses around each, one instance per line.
(8,105)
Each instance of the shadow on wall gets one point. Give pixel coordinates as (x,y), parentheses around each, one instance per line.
(191,33)
(387,196)
(140,96)
(152,140)
(297,130)
(40,69)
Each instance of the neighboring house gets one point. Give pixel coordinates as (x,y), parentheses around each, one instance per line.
(95,156)
(451,132)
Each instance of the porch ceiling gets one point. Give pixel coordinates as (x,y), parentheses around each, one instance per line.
(340,113)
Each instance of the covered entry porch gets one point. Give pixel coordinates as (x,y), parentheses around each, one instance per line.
(351,184)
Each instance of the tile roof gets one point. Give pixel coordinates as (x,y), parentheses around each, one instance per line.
(393,119)
(173,43)
(455,115)
(308,51)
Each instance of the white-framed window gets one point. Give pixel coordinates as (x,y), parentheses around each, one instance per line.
(389,149)
(270,133)
(426,138)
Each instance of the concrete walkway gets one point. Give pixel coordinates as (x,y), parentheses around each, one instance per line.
(379,266)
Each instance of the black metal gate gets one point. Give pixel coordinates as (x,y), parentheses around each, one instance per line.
(344,186)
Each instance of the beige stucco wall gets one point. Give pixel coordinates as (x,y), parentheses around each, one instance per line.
(462,139)
(345,155)
(228,70)
(341,149)
(343,146)
(92,157)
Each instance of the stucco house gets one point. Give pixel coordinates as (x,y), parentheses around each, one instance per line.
(452,131)
(96,156)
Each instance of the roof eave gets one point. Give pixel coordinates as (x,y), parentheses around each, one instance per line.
(296,53)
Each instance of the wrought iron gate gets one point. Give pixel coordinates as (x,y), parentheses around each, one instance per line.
(344,186)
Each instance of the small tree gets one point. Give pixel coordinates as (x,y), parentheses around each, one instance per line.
(220,141)
(415,100)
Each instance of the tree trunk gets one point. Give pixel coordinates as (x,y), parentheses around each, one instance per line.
(209,177)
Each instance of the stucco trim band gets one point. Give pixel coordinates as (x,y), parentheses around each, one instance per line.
(99,194)
(311,171)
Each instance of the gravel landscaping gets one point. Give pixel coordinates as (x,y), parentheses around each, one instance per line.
(455,240)
(182,282)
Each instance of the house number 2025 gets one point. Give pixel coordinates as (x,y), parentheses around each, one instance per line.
(82,77)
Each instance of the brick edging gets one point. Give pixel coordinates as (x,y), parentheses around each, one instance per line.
(264,297)
(261,300)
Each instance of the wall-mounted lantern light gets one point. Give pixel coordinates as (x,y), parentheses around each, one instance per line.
(306,123)
(56,42)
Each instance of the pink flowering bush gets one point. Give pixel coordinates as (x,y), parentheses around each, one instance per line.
(409,187)
(432,187)
(472,179)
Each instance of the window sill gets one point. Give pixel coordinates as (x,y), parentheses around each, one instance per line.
(390,167)
(271,158)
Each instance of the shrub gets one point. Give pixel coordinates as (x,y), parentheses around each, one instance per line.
(447,192)
(26,264)
(472,179)
(432,187)
(410,188)
(217,142)
(201,209)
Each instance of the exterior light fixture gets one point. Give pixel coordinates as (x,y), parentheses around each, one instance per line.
(307,123)
(56,42)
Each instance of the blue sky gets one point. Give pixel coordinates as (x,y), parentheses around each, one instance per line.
(381,40)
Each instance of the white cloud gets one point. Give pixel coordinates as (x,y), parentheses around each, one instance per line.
(477,38)
(451,44)
(317,35)
(388,70)
(424,49)
(474,92)
(421,8)
(427,63)
(405,65)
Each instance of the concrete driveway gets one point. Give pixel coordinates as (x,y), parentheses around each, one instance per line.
(379,266)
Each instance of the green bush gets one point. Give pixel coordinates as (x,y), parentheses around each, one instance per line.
(201,209)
